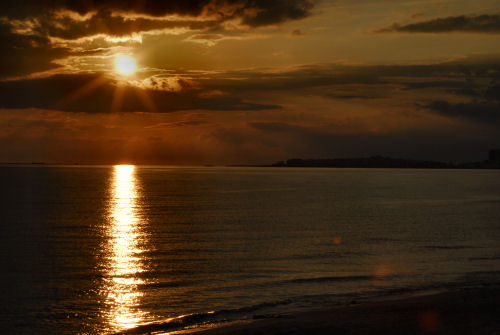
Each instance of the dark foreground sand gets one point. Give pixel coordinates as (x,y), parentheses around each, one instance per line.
(467,311)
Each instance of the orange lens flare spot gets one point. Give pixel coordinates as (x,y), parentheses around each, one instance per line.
(429,322)
(381,272)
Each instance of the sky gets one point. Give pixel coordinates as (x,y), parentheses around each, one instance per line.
(248,81)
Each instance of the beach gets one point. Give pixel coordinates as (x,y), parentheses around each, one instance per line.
(464,311)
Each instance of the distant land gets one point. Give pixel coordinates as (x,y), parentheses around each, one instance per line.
(493,162)
(23,163)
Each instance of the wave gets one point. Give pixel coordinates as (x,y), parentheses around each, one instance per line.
(223,315)
(326,279)
(292,281)
(277,309)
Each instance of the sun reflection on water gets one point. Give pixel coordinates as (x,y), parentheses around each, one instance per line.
(124,261)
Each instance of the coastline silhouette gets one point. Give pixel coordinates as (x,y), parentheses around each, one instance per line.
(493,162)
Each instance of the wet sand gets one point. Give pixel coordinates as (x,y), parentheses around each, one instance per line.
(467,311)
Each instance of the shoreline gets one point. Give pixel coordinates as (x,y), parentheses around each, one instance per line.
(464,311)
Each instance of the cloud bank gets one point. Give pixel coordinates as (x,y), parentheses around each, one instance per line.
(487,24)
(94,93)
(35,35)
(254,13)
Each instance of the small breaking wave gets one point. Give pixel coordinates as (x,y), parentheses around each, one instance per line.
(223,315)
(277,309)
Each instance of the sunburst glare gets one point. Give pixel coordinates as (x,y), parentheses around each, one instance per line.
(125,65)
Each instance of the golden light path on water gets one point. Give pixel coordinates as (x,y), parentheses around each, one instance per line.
(123,249)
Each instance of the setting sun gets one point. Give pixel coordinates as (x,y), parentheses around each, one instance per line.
(125,65)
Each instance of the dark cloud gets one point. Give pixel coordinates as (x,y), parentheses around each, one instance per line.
(493,92)
(302,77)
(276,11)
(349,96)
(274,126)
(253,13)
(28,48)
(459,81)
(339,81)
(329,80)
(32,8)
(177,124)
(25,54)
(96,94)
(297,33)
(103,22)
(486,112)
(489,24)
(149,7)
(225,90)
(483,107)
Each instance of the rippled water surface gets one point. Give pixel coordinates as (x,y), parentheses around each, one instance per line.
(95,250)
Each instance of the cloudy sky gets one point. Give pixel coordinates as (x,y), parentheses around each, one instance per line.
(248,81)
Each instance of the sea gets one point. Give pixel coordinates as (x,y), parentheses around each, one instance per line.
(151,249)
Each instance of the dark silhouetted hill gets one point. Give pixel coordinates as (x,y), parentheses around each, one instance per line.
(387,162)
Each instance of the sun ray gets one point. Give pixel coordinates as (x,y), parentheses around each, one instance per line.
(146,100)
(77,94)
(116,102)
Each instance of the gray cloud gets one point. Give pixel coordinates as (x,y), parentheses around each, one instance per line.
(489,24)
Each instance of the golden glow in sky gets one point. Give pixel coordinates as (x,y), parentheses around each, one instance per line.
(125,65)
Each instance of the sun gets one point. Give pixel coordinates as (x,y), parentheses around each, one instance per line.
(125,65)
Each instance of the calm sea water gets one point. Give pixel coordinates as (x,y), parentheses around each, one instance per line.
(91,250)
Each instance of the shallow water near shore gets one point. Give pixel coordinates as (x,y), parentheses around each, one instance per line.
(94,250)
